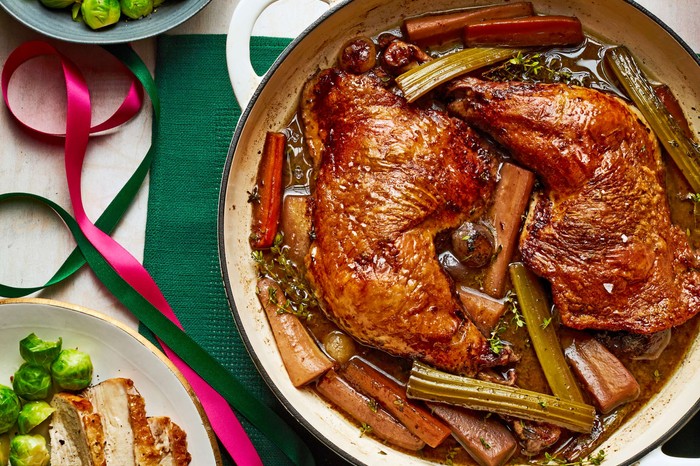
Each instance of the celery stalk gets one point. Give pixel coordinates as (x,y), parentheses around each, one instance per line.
(535,309)
(684,151)
(420,80)
(426,383)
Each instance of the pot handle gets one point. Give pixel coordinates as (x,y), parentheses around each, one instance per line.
(657,457)
(244,79)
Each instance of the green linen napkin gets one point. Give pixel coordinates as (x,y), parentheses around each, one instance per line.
(198,116)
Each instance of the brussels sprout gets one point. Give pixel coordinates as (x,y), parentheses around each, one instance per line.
(32,382)
(135,9)
(40,352)
(57,3)
(72,370)
(157,3)
(4,449)
(29,450)
(32,414)
(9,408)
(75,13)
(100,13)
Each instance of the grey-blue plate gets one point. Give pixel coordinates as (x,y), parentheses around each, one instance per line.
(58,24)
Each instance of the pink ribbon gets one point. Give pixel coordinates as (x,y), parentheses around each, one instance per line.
(78,130)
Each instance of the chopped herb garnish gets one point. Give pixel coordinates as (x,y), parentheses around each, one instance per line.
(365,429)
(694,197)
(495,342)
(545,323)
(484,443)
(373,405)
(276,265)
(253,195)
(451,453)
(591,460)
(532,67)
(512,302)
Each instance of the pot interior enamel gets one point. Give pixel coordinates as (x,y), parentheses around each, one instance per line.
(664,57)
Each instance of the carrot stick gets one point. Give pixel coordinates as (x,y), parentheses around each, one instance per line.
(364,411)
(486,440)
(300,354)
(392,397)
(669,100)
(510,200)
(267,193)
(439,29)
(525,32)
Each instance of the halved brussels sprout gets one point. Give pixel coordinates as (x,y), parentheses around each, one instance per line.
(136,9)
(72,370)
(100,13)
(32,414)
(40,352)
(57,3)
(9,408)
(29,450)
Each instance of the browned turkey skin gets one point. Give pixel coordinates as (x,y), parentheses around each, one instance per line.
(601,232)
(389,177)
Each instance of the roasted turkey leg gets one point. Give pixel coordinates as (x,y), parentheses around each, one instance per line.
(601,232)
(389,177)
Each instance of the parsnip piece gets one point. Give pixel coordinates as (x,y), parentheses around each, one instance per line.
(300,354)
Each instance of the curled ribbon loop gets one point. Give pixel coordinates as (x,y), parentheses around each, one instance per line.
(127,278)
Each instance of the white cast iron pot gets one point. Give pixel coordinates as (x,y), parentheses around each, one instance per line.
(270,101)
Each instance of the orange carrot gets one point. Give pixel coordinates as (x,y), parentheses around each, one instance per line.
(525,32)
(392,397)
(361,408)
(438,29)
(669,100)
(300,354)
(510,200)
(267,193)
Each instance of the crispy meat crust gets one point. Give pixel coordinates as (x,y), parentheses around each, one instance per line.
(391,176)
(601,233)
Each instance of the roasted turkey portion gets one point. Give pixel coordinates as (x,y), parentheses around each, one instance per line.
(389,177)
(601,232)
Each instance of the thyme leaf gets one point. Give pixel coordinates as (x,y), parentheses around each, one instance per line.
(495,342)
(531,67)
(254,195)
(300,298)
(545,323)
(365,429)
(513,307)
(591,460)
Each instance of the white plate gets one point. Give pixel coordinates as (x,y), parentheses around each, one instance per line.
(116,351)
